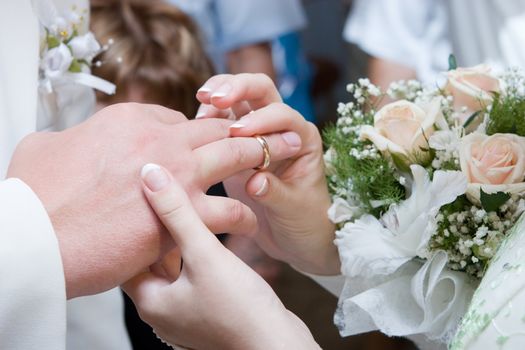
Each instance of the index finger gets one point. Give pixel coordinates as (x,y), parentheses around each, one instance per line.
(173,207)
(223,91)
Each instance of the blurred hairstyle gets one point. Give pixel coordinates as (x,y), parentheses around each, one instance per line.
(156,48)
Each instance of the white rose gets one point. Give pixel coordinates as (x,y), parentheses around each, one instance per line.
(471,88)
(402,127)
(57,61)
(493,163)
(84,46)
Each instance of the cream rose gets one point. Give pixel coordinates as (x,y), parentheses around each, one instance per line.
(471,88)
(402,127)
(493,163)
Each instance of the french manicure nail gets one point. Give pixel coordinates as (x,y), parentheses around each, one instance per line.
(292,139)
(204,89)
(200,115)
(222,91)
(237,126)
(263,189)
(154,177)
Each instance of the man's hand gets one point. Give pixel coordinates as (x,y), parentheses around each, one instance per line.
(87,179)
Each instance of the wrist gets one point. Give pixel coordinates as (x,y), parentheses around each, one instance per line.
(325,263)
(281,330)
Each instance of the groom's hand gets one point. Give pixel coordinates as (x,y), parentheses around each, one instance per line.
(87,176)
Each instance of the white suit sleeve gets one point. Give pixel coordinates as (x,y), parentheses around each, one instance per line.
(32,293)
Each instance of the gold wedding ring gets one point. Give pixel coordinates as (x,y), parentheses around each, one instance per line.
(266,152)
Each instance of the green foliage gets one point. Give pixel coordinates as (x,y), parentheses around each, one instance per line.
(449,243)
(507,115)
(75,66)
(52,42)
(492,202)
(452,63)
(373,179)
(471,119)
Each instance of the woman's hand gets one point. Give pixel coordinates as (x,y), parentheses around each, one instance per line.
(290,198)
(215,301)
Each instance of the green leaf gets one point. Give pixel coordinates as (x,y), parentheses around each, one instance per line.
(401,162)
(75,66)
(52,42)
(471,119)
(452,63)
(492,202)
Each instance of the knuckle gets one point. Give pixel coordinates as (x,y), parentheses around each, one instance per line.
(172,210)
(264,79)
(236,213)
(236,152)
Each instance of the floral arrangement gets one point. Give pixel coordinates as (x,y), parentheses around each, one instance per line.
(68,49)
(424,188)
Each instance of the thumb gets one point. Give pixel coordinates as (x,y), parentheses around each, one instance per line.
(173,207)
(141,287)
(267,189)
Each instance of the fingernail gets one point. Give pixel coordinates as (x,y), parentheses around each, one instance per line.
(237,126)
(200,115)
(154,177)
(263,189)
(222,91)
(292,139)
(204,89)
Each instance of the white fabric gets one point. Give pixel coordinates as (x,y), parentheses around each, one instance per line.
(32,294)
(422,33)
(18,76)
(19,58)
(97,322)
(230,24)
(335,284)
(495,319)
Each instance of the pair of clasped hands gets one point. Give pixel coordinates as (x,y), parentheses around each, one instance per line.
(121,222)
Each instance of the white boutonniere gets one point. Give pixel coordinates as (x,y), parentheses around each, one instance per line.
(68,49)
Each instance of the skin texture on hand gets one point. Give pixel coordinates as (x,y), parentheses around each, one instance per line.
(291,198)
(87,179)
(215,301)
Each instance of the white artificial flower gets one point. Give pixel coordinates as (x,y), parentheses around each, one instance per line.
(341,211)
(57,61)
(61,27)
(84,46)
(380,247)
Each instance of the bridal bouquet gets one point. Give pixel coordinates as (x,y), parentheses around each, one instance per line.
(424,190)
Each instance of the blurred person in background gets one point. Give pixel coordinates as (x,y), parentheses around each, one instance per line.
(154,55)
(239,37)
(409,39)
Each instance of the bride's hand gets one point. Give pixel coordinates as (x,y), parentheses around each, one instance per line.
(215,301)
(290,198)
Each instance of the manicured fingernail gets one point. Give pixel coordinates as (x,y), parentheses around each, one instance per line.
(237,125)
(154,177)
(222,91)
(292,139)
(204,89)
(200,115)
(263,189)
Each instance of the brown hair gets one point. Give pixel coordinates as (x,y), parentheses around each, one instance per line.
(155,47)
